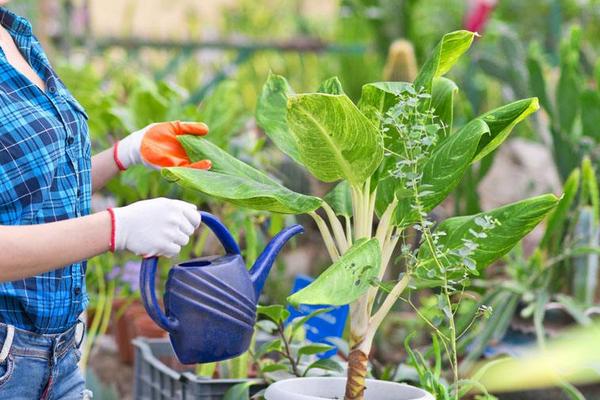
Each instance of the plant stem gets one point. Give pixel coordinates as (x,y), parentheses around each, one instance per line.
(357,373)
(327,238)
(288,352)
(337,228)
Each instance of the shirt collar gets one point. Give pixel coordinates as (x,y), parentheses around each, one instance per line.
(14,23)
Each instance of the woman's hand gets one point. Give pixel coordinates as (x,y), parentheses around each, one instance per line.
(157,146)
(157,227)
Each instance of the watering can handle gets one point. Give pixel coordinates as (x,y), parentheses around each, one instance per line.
(148,273)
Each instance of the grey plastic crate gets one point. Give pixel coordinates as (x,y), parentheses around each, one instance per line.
(155,380)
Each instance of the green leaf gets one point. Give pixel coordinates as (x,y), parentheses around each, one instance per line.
(331,86)
(326,364)
(223,112)
(335,140)
(346,280)
(569,83)
(232,180)
(340,199)
(271,115)
(514,222)
(585,267)
(269,347)
(501,122)
(557,220)
(443,170)
(589,186)
(240,391)
(314,348)
(378,97)
(590,114)
(537,82)
(444,56)
(273,368)
(567,93)
(276,313)
(442,101)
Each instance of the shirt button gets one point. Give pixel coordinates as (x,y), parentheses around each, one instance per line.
(52,89)
(70,140)
(77,291)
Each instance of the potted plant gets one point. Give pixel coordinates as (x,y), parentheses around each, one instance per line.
(397,157)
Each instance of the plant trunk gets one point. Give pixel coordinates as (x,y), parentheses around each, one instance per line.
(357,372)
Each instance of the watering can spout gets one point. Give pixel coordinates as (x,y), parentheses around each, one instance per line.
(262,266)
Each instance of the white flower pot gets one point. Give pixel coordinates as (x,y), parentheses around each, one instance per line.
(333,388)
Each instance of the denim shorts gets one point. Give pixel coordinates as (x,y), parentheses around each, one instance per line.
(37,366)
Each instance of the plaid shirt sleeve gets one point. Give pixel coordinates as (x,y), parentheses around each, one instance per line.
(45,164)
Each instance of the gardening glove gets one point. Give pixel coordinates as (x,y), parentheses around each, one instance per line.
(156,227)
(156,146)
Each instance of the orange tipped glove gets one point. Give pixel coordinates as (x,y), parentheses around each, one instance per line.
(156,146)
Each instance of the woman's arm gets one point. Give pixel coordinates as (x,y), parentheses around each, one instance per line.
(104,168)
(149,227)
(29,250)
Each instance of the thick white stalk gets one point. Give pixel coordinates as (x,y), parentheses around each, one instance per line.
(366,198)
(387,305)
(348,231)
(327,238)
(373,197)
(357,206)
(384,224)
(337,228)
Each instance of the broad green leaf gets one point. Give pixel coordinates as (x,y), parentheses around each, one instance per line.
(276,313)
(442,101)
(346,280)
(335,140)
(223,112)
(232,180)
(557,220)
(590,114)
(340,199)
(271,115)
(326,364)
(314,348)
(443,170)
(444,56)
(378,97)
(501,122)
(514,222)
(331,86)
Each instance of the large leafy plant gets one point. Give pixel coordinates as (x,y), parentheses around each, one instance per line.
(396,156)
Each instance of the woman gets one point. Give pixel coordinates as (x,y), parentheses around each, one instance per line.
(47,175)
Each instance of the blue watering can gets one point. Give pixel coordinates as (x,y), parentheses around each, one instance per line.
(210,302)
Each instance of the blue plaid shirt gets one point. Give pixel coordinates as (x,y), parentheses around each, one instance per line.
(45,164)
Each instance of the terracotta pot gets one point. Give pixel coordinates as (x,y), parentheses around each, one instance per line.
(144,326)
(123,331)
